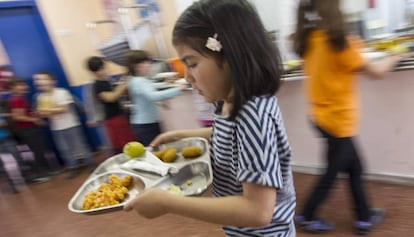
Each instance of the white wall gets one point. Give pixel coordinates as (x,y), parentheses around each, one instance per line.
(279,15)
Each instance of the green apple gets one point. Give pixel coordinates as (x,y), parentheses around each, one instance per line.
(134,149)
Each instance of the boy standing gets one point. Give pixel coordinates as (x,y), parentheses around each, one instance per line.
(116,123)
(57,105)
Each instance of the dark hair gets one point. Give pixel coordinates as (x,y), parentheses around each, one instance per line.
(253,59)
(134,57)
(95,63)
(14,81)
(319,14)
(47,73)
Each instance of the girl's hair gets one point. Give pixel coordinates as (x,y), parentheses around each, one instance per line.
(253,59)
(319,14)
(134,57)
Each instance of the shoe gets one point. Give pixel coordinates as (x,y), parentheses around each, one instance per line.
(38,180)
(73,173)
(364,227)
(315,226)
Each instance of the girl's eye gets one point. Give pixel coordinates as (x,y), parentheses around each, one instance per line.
(192,65)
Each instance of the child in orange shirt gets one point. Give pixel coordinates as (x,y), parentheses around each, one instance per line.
(331,61)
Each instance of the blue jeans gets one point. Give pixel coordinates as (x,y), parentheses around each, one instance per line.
(72,146)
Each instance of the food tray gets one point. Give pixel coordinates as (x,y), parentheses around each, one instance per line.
(198,170)
(92,184)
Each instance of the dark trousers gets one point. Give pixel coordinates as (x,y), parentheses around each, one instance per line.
(342,156)
(146,132)
(35,139)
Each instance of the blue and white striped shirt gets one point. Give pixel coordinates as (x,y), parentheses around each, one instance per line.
(254,149)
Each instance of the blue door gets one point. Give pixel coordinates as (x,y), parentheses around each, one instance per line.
(26,41)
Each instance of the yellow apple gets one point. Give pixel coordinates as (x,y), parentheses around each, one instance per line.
(134,149)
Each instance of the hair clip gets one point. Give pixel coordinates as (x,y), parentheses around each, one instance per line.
(213,44)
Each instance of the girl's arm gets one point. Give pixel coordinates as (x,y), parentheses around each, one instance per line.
(254,208)
(180,134)
(378,69)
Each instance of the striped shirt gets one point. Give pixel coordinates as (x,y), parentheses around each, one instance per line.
(254,149)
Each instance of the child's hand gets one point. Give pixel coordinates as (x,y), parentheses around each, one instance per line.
(165,138)
(149,203)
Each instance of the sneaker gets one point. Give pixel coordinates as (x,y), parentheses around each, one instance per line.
(315,226)
(364,227)
(38,180)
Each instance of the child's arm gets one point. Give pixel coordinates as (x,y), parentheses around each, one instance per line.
(58,109)
(253,208)
(113,96)
(18,114)
(180,134)
(376,70)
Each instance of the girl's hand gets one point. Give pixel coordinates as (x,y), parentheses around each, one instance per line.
(166,138)
(150,203)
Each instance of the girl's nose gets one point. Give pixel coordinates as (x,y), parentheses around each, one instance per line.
(188,77)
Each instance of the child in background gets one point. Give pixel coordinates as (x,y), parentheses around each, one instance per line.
(230,60)
(116,123)
(57,105)
(8,145)
(27,127)
(144,115)
(331,60)
(95,115)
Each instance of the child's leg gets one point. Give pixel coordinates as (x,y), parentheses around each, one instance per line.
(35,139)
(10,146)
(63,143)
(357,189)
(79,144)
(325,183)
(7,176)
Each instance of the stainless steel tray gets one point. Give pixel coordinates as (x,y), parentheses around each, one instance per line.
(192,179)
(75,204)
(198,170)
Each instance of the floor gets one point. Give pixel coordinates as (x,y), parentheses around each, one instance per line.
(41,210)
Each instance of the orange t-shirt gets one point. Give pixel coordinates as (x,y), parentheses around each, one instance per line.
(331,84)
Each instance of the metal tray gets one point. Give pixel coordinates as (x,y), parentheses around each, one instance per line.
(199,173)
(180,144)
(198,170)
(75,204)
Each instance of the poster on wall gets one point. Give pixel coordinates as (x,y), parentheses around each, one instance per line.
(111,9)
(152,12)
